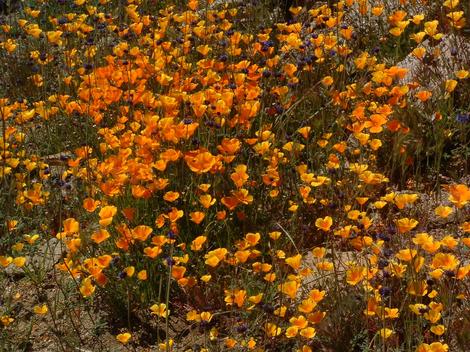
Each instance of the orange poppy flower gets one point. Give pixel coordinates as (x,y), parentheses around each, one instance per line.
(178,271)
(239,177)
(100,236)
(89,204)
(424,95)
(175,214)
(171,196)
(289,288)
(294,262)
(355,275)
(207,201)
(324,224)
(106,214)
(200,161)
(198,242)
(459,195)
(197,216)
(141,232)
(405,225)
(229,146)
(152,252)
(71,226)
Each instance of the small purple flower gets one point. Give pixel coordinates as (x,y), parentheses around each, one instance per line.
(385,291)
(382,263)
(423,310)
(449,273)
(463,118)
(387,252)
(223,57)
(115,261)
(266,73)
(279,108)
(170,262)
(122,275)
(383,237)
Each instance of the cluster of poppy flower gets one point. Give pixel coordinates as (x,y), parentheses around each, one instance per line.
(205,180)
